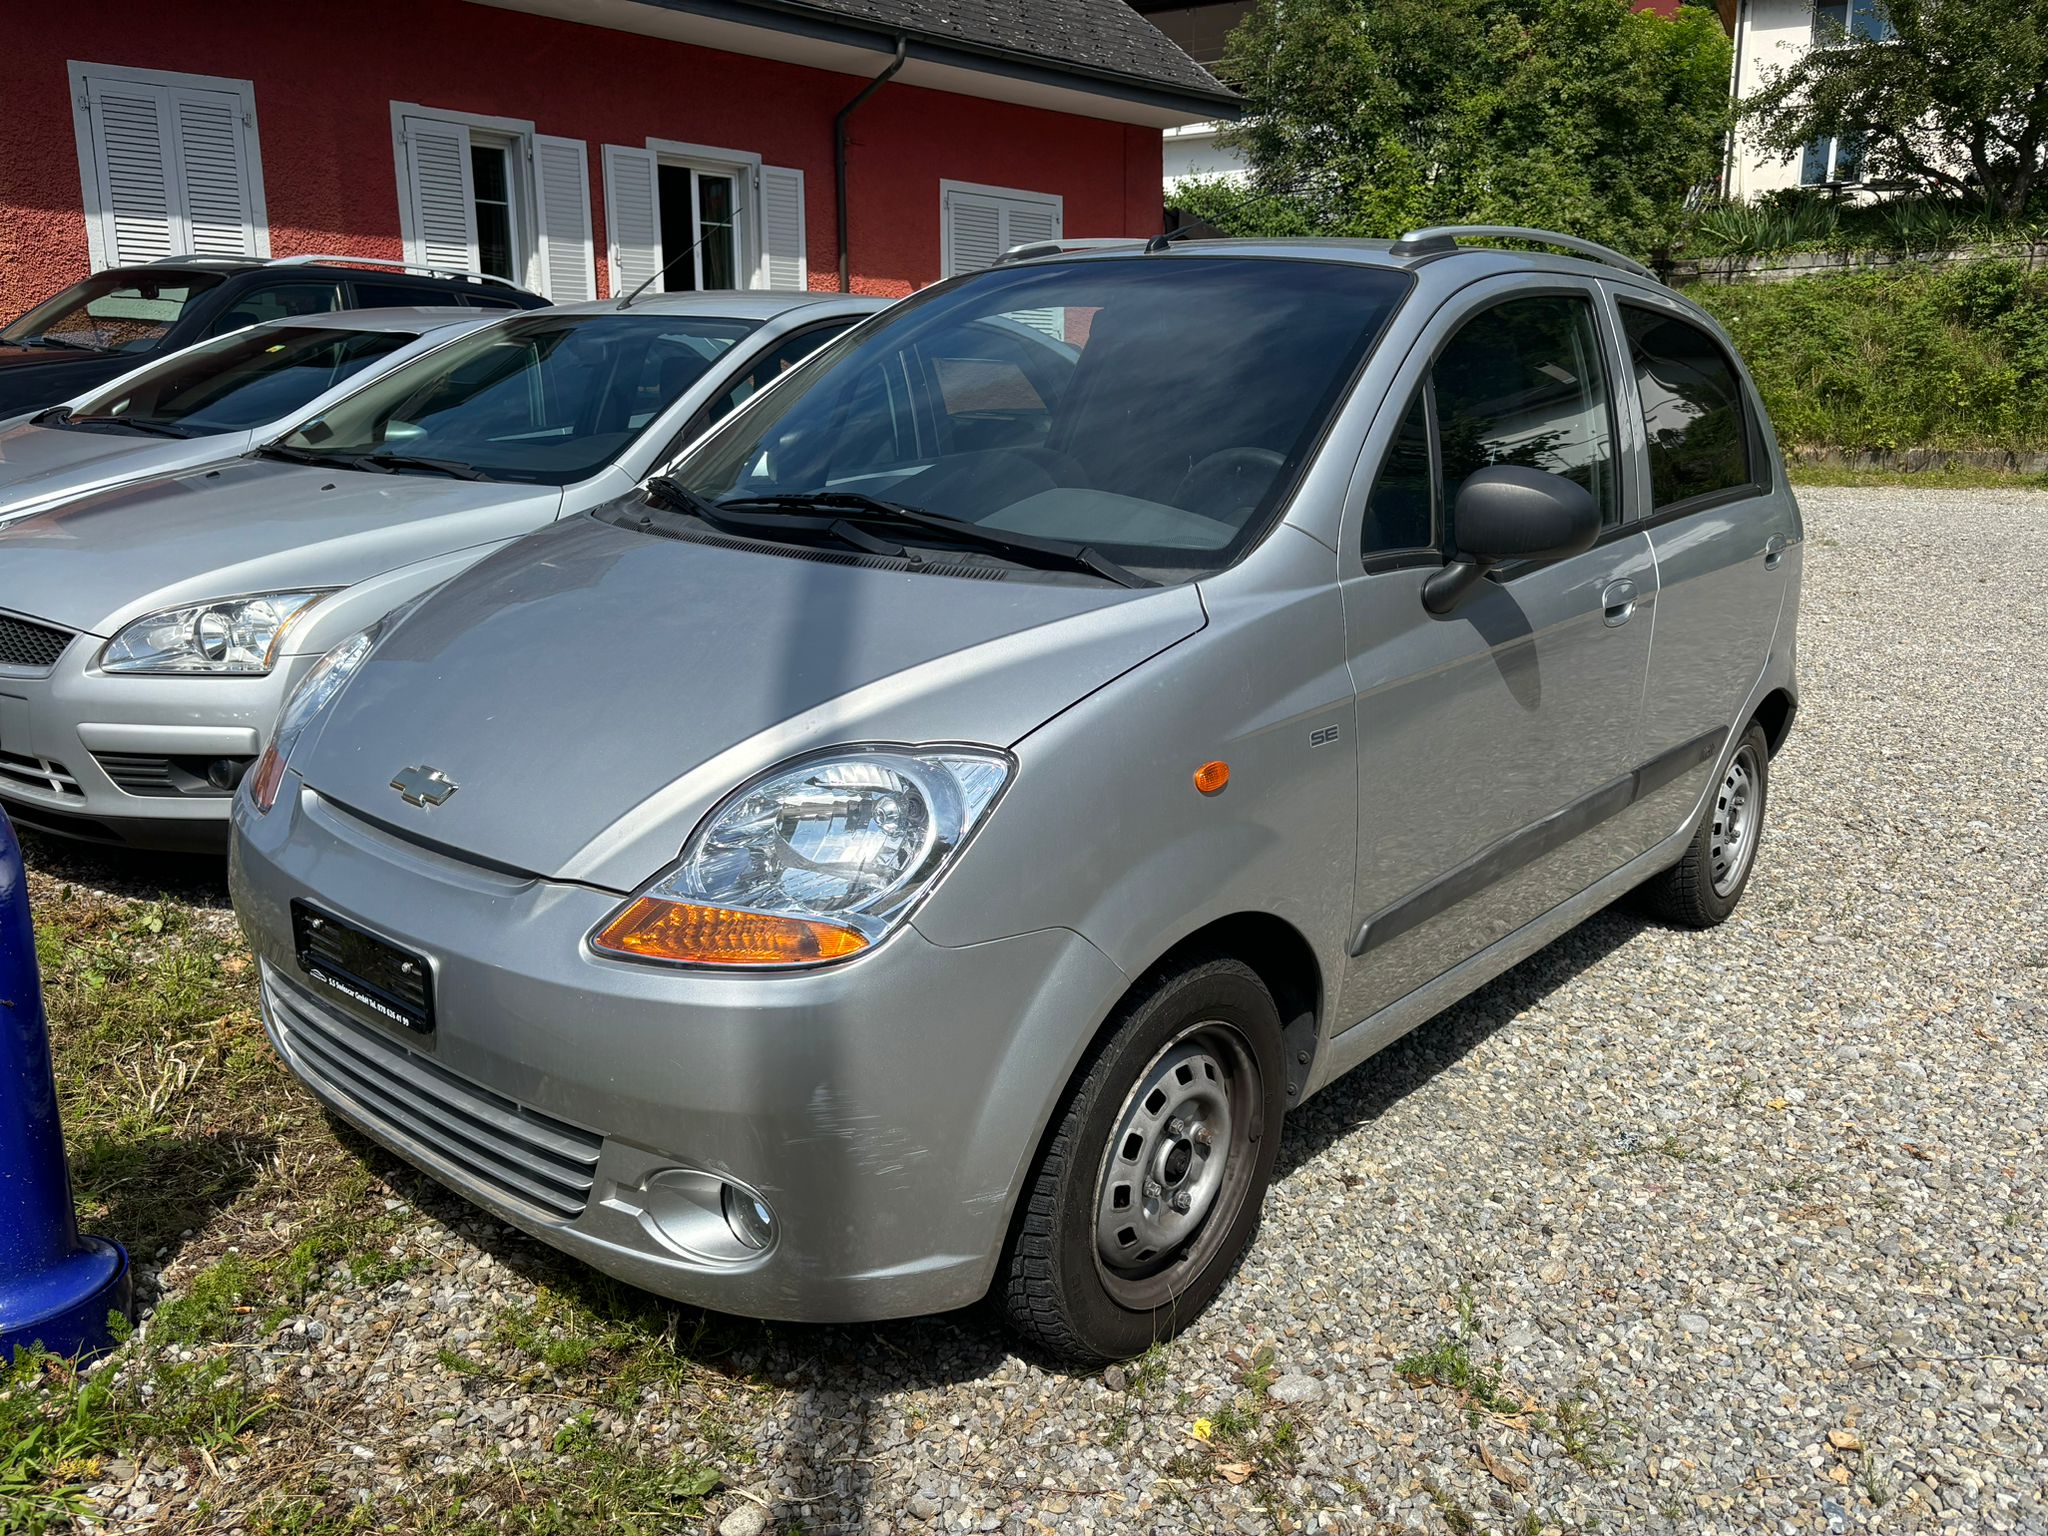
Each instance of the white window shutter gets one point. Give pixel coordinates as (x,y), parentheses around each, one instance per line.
(784,261)
(632,216)
(137,193)
(439,201)
(561,176)
(1027,223)
(211,156)
(973,232)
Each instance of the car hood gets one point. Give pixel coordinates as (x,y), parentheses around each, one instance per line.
(593,690)
(252,525)
(39,463)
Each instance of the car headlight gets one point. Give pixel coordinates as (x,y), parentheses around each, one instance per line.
(814,861)
(316,690)
(237,636)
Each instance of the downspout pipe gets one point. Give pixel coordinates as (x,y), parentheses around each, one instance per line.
(839,149)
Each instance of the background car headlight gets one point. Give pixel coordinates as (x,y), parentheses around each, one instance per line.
(814,861)
(237,635)
(316,690)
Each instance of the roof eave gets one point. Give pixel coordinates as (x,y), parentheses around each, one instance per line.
(860,47)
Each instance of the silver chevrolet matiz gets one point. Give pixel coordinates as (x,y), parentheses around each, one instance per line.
(927,840)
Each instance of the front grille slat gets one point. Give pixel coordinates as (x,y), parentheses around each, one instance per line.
(39,773)
(432,1094)
(515,1153)
(26,643)
(416,1120)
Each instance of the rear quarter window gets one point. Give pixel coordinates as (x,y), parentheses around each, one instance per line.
(1695,422)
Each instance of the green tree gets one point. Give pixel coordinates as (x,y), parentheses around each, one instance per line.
(1368,117)
(1958,98)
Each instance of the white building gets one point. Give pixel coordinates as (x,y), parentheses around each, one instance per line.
(1771,35)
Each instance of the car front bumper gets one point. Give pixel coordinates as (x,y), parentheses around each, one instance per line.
(123,759)
(886,1110)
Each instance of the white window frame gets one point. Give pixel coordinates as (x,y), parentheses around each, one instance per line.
(1054,200)
(744,166)
(79,71)
(515,135)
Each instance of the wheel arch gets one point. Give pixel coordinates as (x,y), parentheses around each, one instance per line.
(1775,714)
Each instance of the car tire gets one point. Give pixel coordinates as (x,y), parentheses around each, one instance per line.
(1703,888)
(1149,1186)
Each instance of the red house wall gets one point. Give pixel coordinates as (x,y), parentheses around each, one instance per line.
(326,73)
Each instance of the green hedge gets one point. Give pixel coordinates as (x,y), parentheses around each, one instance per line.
(1941,357)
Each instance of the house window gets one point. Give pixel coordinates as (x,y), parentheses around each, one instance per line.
(1831,160)
(977,224)
(489,195)
(700,231)
(168,165)
(686,218)
(490,179)
(1835,19)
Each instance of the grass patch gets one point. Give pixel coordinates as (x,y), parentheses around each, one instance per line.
(1448,1362)
(1945,477)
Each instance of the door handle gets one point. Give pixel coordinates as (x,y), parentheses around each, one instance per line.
(1774,551)
(1618,598)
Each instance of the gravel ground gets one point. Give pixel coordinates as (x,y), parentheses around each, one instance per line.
(1736,1231)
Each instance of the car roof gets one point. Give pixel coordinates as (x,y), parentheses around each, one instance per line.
(733,304)
(1404,255)
(395,317)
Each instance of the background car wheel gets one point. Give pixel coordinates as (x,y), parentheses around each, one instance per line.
(1702,888)
(1149,1188)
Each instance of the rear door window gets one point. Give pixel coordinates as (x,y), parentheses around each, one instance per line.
(1694,424)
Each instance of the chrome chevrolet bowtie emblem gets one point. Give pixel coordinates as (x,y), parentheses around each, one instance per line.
(424,786)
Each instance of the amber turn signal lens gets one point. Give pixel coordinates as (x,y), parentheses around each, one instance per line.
(674,930)
(1211,777)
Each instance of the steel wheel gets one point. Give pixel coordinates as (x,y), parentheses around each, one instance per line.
(1732,842)
(1175,1169)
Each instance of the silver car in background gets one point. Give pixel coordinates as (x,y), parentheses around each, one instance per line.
(210,402)
(929,840)
(150,632)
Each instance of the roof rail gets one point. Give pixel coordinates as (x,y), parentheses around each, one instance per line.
(1442,239)
(402,266)
(1035,248)
(194,259)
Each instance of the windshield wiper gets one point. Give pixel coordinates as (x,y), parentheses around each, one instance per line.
(665,491)
(50,415)
(1030,549)
(397,463)
(304,456)
(128,423)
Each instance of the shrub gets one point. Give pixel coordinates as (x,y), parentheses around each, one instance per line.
(1948,357)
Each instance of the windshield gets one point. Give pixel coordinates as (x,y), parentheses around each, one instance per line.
(1153,410)
(111,311)
(240,381)
(545,398)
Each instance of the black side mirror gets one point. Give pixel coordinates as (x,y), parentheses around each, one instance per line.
(1506,513)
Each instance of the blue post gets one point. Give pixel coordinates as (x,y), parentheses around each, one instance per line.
(56,1288)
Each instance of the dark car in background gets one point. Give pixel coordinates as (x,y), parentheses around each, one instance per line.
(106,324)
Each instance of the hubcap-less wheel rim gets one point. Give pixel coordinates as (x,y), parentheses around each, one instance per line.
(1176,1167)
(1736,804)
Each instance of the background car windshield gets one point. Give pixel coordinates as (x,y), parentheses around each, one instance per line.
(112,311)
(547,398)
(1156,408)
(243,380)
